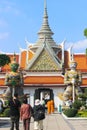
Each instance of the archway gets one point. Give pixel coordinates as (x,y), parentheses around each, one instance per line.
(45,93)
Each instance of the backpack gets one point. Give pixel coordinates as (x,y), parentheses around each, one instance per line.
(41,114)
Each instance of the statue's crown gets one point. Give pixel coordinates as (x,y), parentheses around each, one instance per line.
(14,59)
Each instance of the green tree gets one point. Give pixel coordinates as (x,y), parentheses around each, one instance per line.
(4,59)
(85,32)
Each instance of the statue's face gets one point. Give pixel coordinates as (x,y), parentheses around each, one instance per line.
(73,65)
(14,67)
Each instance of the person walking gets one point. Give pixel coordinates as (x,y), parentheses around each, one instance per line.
(52,106)
(14,105)
(42,102)
(1,106)
(49,107)
(39,115)
(25,114)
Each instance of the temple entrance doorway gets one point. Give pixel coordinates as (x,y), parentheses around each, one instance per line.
(45,93)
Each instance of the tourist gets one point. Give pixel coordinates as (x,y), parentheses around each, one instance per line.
(14,105)
(52,106)
(49,107)
(1,106)
(39,115)
(25,114)
(42,102)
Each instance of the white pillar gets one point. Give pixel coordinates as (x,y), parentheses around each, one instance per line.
(73,89)
(73,93)
(27,56)
(63,44)
(41,95)
(20,56)
(27,51)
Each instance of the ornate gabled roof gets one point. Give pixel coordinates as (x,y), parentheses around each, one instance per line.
(45,59)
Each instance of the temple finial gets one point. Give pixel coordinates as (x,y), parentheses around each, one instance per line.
(45,4)
(45,29)
(45,9)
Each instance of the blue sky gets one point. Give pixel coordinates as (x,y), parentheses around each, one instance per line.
(20,19)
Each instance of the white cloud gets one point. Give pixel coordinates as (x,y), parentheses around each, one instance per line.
(4,35)
(81,45)
(78,47)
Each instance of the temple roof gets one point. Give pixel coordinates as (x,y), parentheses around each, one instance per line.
(41,80)
(44,59)
(42,56)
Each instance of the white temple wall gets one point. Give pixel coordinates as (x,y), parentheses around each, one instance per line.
(57,101)
(2,90)
(31,92)
(56,91)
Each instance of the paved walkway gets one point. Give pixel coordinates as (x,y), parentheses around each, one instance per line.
(56,122)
